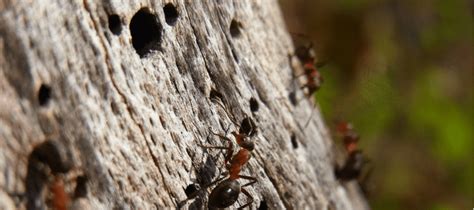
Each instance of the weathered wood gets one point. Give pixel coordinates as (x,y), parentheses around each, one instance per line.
(131,120)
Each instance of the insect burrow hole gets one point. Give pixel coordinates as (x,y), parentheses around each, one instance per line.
(235,28)
(215,95)
(263,205)
(115,24)
(294,141)
(171,14)
(191,190)
(146,32)
(44,94)
(253,104)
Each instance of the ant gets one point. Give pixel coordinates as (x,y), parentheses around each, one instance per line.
(227,191)
(307,56)
(356,161)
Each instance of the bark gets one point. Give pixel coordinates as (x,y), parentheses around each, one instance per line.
(108,111)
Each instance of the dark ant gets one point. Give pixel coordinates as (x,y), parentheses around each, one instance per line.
(355,161)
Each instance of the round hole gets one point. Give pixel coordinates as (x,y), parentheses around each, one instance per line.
(235,27)
(146,32)
(253,104)
(115,25)
(191,190)
(44,94)
(171,14)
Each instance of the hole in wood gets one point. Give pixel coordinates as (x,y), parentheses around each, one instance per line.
(81,187)
(235,28)
(294,142)
(214,95)
(171,14)
(253,104)
(115,25)
(44,94)
(191,190)
(263,205)
(146,32)
(292,98)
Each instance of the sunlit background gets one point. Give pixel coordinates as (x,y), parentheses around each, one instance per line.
(402,72)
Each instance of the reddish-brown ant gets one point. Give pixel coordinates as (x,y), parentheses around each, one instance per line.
(314,79)
(356,161)
(349,136)
(227,192)
(307,57)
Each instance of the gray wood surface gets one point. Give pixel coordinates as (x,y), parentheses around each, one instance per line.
(131,124)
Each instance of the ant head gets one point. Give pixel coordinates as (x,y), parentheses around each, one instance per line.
(248,145)
(305,53)
(225,194)
(248,127)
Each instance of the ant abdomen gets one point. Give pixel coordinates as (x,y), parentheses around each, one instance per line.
(352,168)
(225,194)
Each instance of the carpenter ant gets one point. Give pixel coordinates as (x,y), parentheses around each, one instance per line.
(307,56)
(227,191)
(352,167)
(356,161)
(349,136)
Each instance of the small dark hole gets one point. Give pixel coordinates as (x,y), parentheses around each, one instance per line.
(214,95)
(191,190)
(44,94)
(294,142)
(115,25)
(248,127)
(146,32)
(292,98)
(81,187)
(171,14)
(263,205)
(235,27)
(253,104)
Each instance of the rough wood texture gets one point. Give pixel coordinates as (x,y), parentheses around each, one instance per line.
(131,124)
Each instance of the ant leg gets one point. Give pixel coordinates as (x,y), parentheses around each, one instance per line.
(253,180)
(310,116)
(231,116)
(249,196)
(243,190)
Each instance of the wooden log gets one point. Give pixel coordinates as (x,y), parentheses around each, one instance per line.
(103,105)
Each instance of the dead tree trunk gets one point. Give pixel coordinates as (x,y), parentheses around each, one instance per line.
(107,102)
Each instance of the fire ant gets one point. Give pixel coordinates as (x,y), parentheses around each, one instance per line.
(356,161)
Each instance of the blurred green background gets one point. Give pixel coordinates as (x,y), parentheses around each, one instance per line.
(402,72)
